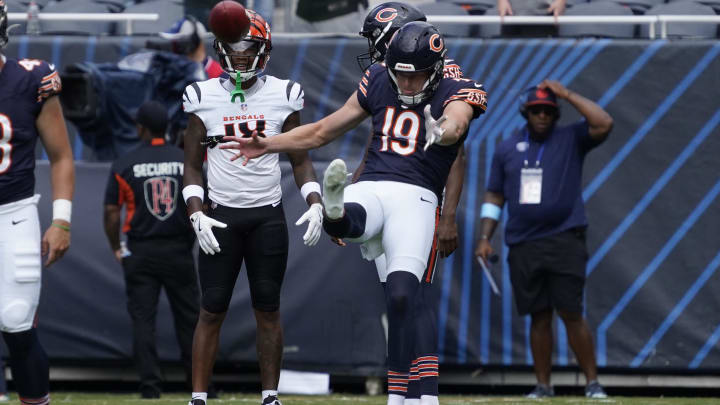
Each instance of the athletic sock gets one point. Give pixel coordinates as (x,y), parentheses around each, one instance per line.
(199,395)
(429,400)
(394,399)
(413,392)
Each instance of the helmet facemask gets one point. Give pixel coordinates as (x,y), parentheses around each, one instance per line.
(428,89)
(244,59)
(377,45)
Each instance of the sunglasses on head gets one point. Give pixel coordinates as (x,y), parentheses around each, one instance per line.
(537,109)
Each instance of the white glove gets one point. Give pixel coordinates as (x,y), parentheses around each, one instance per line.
(203,224)
(433,132)
(314,217)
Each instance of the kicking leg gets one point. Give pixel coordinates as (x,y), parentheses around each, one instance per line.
(350,212)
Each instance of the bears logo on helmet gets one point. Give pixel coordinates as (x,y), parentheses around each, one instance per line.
(249,56)
(380,25)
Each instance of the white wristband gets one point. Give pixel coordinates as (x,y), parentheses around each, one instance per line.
(491,211)
(193,190)
(310,187)
(62,209)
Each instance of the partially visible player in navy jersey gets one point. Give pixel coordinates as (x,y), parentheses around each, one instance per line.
(29,109)
(393,208)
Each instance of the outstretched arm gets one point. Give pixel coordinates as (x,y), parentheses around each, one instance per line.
(449,128)
(53,134)
(304,137)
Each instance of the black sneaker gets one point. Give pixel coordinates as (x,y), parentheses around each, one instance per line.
(595,390)
(196,402)
(541,391)
(271,400)
(149,393)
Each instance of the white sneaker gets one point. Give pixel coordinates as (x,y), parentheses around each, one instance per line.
(4,398)
(333,189)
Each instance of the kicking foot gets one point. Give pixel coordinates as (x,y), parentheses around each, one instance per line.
(333,189)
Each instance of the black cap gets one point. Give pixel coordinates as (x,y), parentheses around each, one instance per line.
(153,116)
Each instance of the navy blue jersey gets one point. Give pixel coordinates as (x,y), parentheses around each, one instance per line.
(396,149)
(561,206)
(148,181)
(24,87)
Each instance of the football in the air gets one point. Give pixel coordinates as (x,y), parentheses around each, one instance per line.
(229,21)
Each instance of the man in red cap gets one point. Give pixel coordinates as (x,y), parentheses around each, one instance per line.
(538,172)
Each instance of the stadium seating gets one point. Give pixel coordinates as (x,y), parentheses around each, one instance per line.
(598,30)
(77,27)
(490,30)
(637,6)
(449,30)
(685,30)
(715,4)
(473,7)
(170,11)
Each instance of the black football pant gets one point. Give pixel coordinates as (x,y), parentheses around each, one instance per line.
(155,264)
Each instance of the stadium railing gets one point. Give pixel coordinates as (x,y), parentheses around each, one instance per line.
(128,18)
(650,20)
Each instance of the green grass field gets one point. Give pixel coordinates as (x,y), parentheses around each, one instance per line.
(338,399)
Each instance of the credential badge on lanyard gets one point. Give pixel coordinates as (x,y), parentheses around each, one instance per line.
(531,177)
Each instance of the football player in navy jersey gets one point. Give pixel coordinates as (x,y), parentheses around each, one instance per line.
(29,109)
(393,208)
(379,26)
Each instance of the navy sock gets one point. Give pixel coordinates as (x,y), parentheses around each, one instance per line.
(426,342)
(29,364)
(350,225)
(400,290)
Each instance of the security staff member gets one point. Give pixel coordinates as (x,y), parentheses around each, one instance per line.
(538,172)
(148,182)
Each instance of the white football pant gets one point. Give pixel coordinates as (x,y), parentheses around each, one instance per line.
(20,264)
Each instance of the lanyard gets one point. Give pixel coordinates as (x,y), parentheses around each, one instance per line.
(540,152)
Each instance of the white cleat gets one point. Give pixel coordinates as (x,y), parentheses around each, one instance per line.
(334,189)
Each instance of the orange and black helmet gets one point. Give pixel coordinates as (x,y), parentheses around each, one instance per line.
(249,56)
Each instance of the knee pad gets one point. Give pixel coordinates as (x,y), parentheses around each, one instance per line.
(22,282)
(216,300)
(16,315)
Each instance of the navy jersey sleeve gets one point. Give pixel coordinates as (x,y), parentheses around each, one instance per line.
(581,130)
(112,190)
(45,76)
(365,84)
(452,69)
(496,180)
(468,91)
(362,90)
